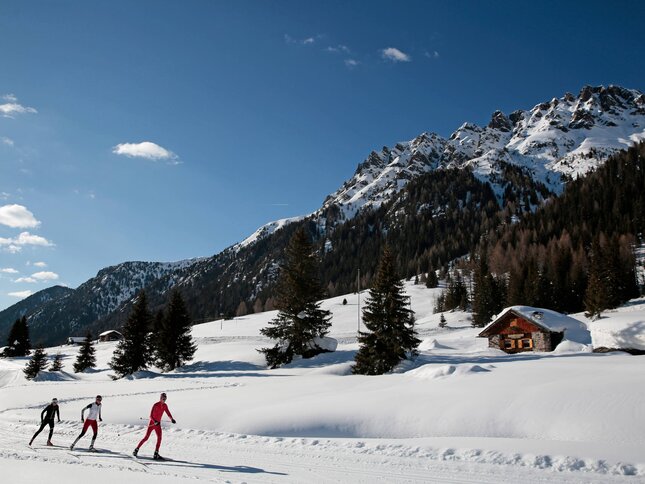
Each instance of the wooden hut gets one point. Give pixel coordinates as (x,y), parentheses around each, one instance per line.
(110,335)
(522,328)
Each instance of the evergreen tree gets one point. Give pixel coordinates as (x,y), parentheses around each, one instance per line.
(390,321)
(85,358)
(300,318)
(484,293)
(431,279)
(18,343)
(442,321)
(36,364)
(174,344)
(57,363)
(596,299)
(133,351)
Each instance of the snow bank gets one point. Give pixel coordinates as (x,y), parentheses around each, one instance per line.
(624,330)
(432,372)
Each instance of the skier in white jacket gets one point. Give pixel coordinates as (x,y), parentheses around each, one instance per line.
(92,416)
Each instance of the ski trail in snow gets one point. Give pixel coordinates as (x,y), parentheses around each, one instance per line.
(223,457)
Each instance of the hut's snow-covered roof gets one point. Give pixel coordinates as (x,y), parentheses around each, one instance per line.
(111,331)
(549,320)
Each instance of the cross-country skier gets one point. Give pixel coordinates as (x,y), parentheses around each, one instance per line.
(156,413)
(90,421)
(47,418)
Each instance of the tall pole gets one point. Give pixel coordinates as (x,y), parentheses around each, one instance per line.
(358,291)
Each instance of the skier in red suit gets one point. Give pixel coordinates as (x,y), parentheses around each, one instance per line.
(156,413)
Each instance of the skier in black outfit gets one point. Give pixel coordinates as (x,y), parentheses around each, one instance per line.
(47,418)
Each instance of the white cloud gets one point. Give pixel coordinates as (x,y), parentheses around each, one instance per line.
(338,48)
(15,244)
(351,63)
(395,55)
(145,149)
(6,141)
(40,264)
(38,277)
(306,41)
(20,294)
(431,55)
(4,196)
(9,270)
(17,216)
(12,107)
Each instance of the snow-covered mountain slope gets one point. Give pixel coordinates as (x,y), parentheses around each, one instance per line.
(460,413)
(54,319)
(567,136)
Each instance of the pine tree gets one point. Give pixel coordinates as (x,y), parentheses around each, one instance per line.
(36,364)
(488,294)
(133,351)
(174,344)
(57,363)
(431,279)
(85,358)
(442,321)
(391,337)
(596,300)
(300,318)
(18,343)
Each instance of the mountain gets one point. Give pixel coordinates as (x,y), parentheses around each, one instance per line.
(29,306)
(55,315)
(432,196)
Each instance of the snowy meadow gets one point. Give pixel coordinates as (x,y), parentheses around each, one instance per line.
(460,412)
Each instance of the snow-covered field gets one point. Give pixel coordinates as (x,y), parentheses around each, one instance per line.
(459,413)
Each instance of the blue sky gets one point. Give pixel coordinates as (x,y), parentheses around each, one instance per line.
(257,110)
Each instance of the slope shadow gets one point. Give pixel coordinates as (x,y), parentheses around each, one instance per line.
(323,359)
(229,365)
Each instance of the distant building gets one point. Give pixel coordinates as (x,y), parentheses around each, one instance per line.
(110,335)
(523,328)
(75,340)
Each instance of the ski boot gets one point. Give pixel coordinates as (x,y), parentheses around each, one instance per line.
(49,443)
(157,456)
(135,451)
(31,442)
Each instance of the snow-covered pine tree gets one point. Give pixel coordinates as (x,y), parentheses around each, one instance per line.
(57,363)
(85,358)
(36,364)
(18,342)
(300,318)
(391,337)
(174,344)
(133,351)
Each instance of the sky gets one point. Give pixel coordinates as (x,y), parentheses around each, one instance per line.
(160,131)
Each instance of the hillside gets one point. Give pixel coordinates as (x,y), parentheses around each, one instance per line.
(433,197)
